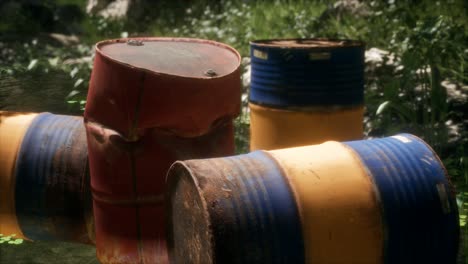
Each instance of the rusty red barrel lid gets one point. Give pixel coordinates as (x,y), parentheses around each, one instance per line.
(139,83)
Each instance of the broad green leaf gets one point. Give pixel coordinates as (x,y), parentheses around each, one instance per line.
(54,61)
(74,72)
(32,64)
(78,82)
(73,93)
(382,107)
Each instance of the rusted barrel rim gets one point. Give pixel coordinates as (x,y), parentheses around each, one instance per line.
(167,39)
(308,43)
(176,169)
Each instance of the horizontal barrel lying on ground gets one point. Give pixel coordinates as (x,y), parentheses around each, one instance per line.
(374,201)
(305,91)
(44,178)
(152,101)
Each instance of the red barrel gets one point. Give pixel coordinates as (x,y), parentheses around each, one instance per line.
(152,101)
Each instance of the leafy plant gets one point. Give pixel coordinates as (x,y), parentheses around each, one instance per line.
(425,41)
(11,240)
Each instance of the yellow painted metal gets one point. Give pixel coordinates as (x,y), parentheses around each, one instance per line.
(272,128)
(13,126)
(339,208)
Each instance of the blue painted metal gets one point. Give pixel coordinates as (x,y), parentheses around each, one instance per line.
(290,72)
(418,202)
(52,194)
(252,210)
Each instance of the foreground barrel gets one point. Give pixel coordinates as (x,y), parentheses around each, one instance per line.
(152,101)
(305,91)
(377,201)
(44,178)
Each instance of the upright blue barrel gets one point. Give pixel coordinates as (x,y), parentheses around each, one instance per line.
(52,188)
(305,91)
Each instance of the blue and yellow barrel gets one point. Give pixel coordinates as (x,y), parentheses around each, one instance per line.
(305,91)
(44,178)
(375,201)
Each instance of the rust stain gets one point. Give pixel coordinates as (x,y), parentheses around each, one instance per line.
(315,174)
(139,200)
(133,135)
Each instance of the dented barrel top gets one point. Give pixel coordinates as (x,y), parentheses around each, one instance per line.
(316,43)
(182,85)
(193,58)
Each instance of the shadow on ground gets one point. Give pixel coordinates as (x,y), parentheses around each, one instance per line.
(47,253)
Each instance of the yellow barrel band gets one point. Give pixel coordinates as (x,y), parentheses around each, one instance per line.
(13,126)
(340,214)
(272,128)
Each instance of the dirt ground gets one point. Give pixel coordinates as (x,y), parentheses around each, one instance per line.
(48,253)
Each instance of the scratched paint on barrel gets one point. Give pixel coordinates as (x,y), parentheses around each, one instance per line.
(155,100)
(156,145)
(421,225)
(273,128)
(245,209)
(341,219)
(52,194)
(156,59)
(307,72)
(357,202)
(13,126)
(152,101)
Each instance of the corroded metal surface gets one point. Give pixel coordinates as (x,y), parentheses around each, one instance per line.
(129,99)
(183,57)
(52,193)
(232,210)
(152,101)
(372,201)
(128,197)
